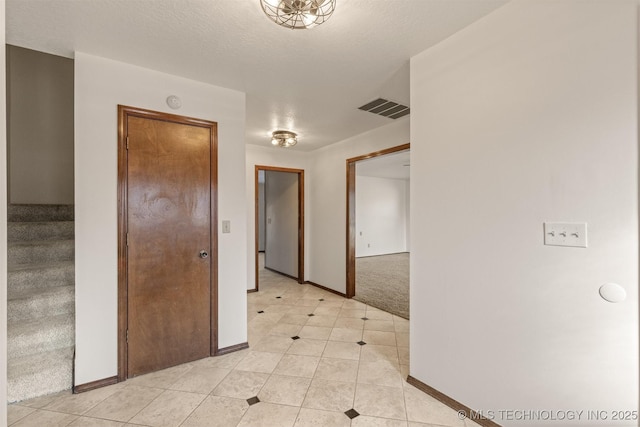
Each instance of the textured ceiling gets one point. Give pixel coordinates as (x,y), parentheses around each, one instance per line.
(308,81)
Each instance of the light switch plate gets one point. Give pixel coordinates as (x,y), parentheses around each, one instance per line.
(565,234)
(226,226)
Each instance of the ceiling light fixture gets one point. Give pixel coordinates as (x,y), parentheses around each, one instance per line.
(284,138)
(298,14)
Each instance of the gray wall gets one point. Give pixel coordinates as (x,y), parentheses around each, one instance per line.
(281,196)
(39,127)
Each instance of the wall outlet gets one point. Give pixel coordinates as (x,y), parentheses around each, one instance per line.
(565,234)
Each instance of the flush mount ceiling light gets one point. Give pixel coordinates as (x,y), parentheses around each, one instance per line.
(298,14)
(284,138)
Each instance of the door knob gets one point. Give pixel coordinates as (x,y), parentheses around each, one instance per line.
(204,254)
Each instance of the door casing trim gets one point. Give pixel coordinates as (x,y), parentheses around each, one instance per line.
(300,173)
(351,212)
(124,112)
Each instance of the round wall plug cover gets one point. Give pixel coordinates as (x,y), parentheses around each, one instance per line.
(613,292)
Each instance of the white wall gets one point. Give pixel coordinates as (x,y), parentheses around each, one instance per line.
(529,115)
(3,221)
(262,231)
(381,215)
(407,211)
(100,85)
(281,200)
(40,125)
(328,199)
(277,157)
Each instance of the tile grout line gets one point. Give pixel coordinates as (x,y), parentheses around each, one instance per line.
(355,389)
(272,374)
(83,414)
(142,409)
(160,394)
(404,397)
(326,341)
(48,410)
(203,400)
(314,372)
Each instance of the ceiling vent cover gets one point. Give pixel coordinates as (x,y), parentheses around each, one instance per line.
(386,108)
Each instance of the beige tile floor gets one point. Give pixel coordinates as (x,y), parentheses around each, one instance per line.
(309,381)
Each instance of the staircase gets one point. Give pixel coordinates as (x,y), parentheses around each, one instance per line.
(40,300)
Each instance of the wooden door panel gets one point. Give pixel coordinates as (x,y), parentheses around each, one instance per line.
(169,223)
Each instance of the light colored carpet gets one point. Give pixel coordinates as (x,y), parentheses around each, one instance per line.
(40,300)
(383,282)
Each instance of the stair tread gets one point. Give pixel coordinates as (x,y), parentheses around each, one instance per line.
(28,213)
(60,226)
(40,361)
(39,374)
(39,230)
(39,243)
(35,251)
(46,205)
(39,265)
(32,293)
(43,334)
(38,325)
(36,223)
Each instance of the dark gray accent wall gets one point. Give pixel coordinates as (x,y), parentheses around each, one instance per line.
(40,127)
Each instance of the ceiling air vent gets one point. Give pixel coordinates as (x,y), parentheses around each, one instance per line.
(386,108)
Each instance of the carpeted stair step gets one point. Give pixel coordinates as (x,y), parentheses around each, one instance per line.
(43,251)
(49,230)
(40,300)
(39,374)
(32,304)
(41,276)
(37,213)
(45,334)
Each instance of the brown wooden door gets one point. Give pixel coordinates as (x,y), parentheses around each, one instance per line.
(168,224)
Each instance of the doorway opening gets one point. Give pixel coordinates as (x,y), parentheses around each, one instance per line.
(378,229)
(279,222)
(167,240)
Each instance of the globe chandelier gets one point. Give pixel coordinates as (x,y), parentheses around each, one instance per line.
(298,14)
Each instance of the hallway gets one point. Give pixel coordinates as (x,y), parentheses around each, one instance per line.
(312,358)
